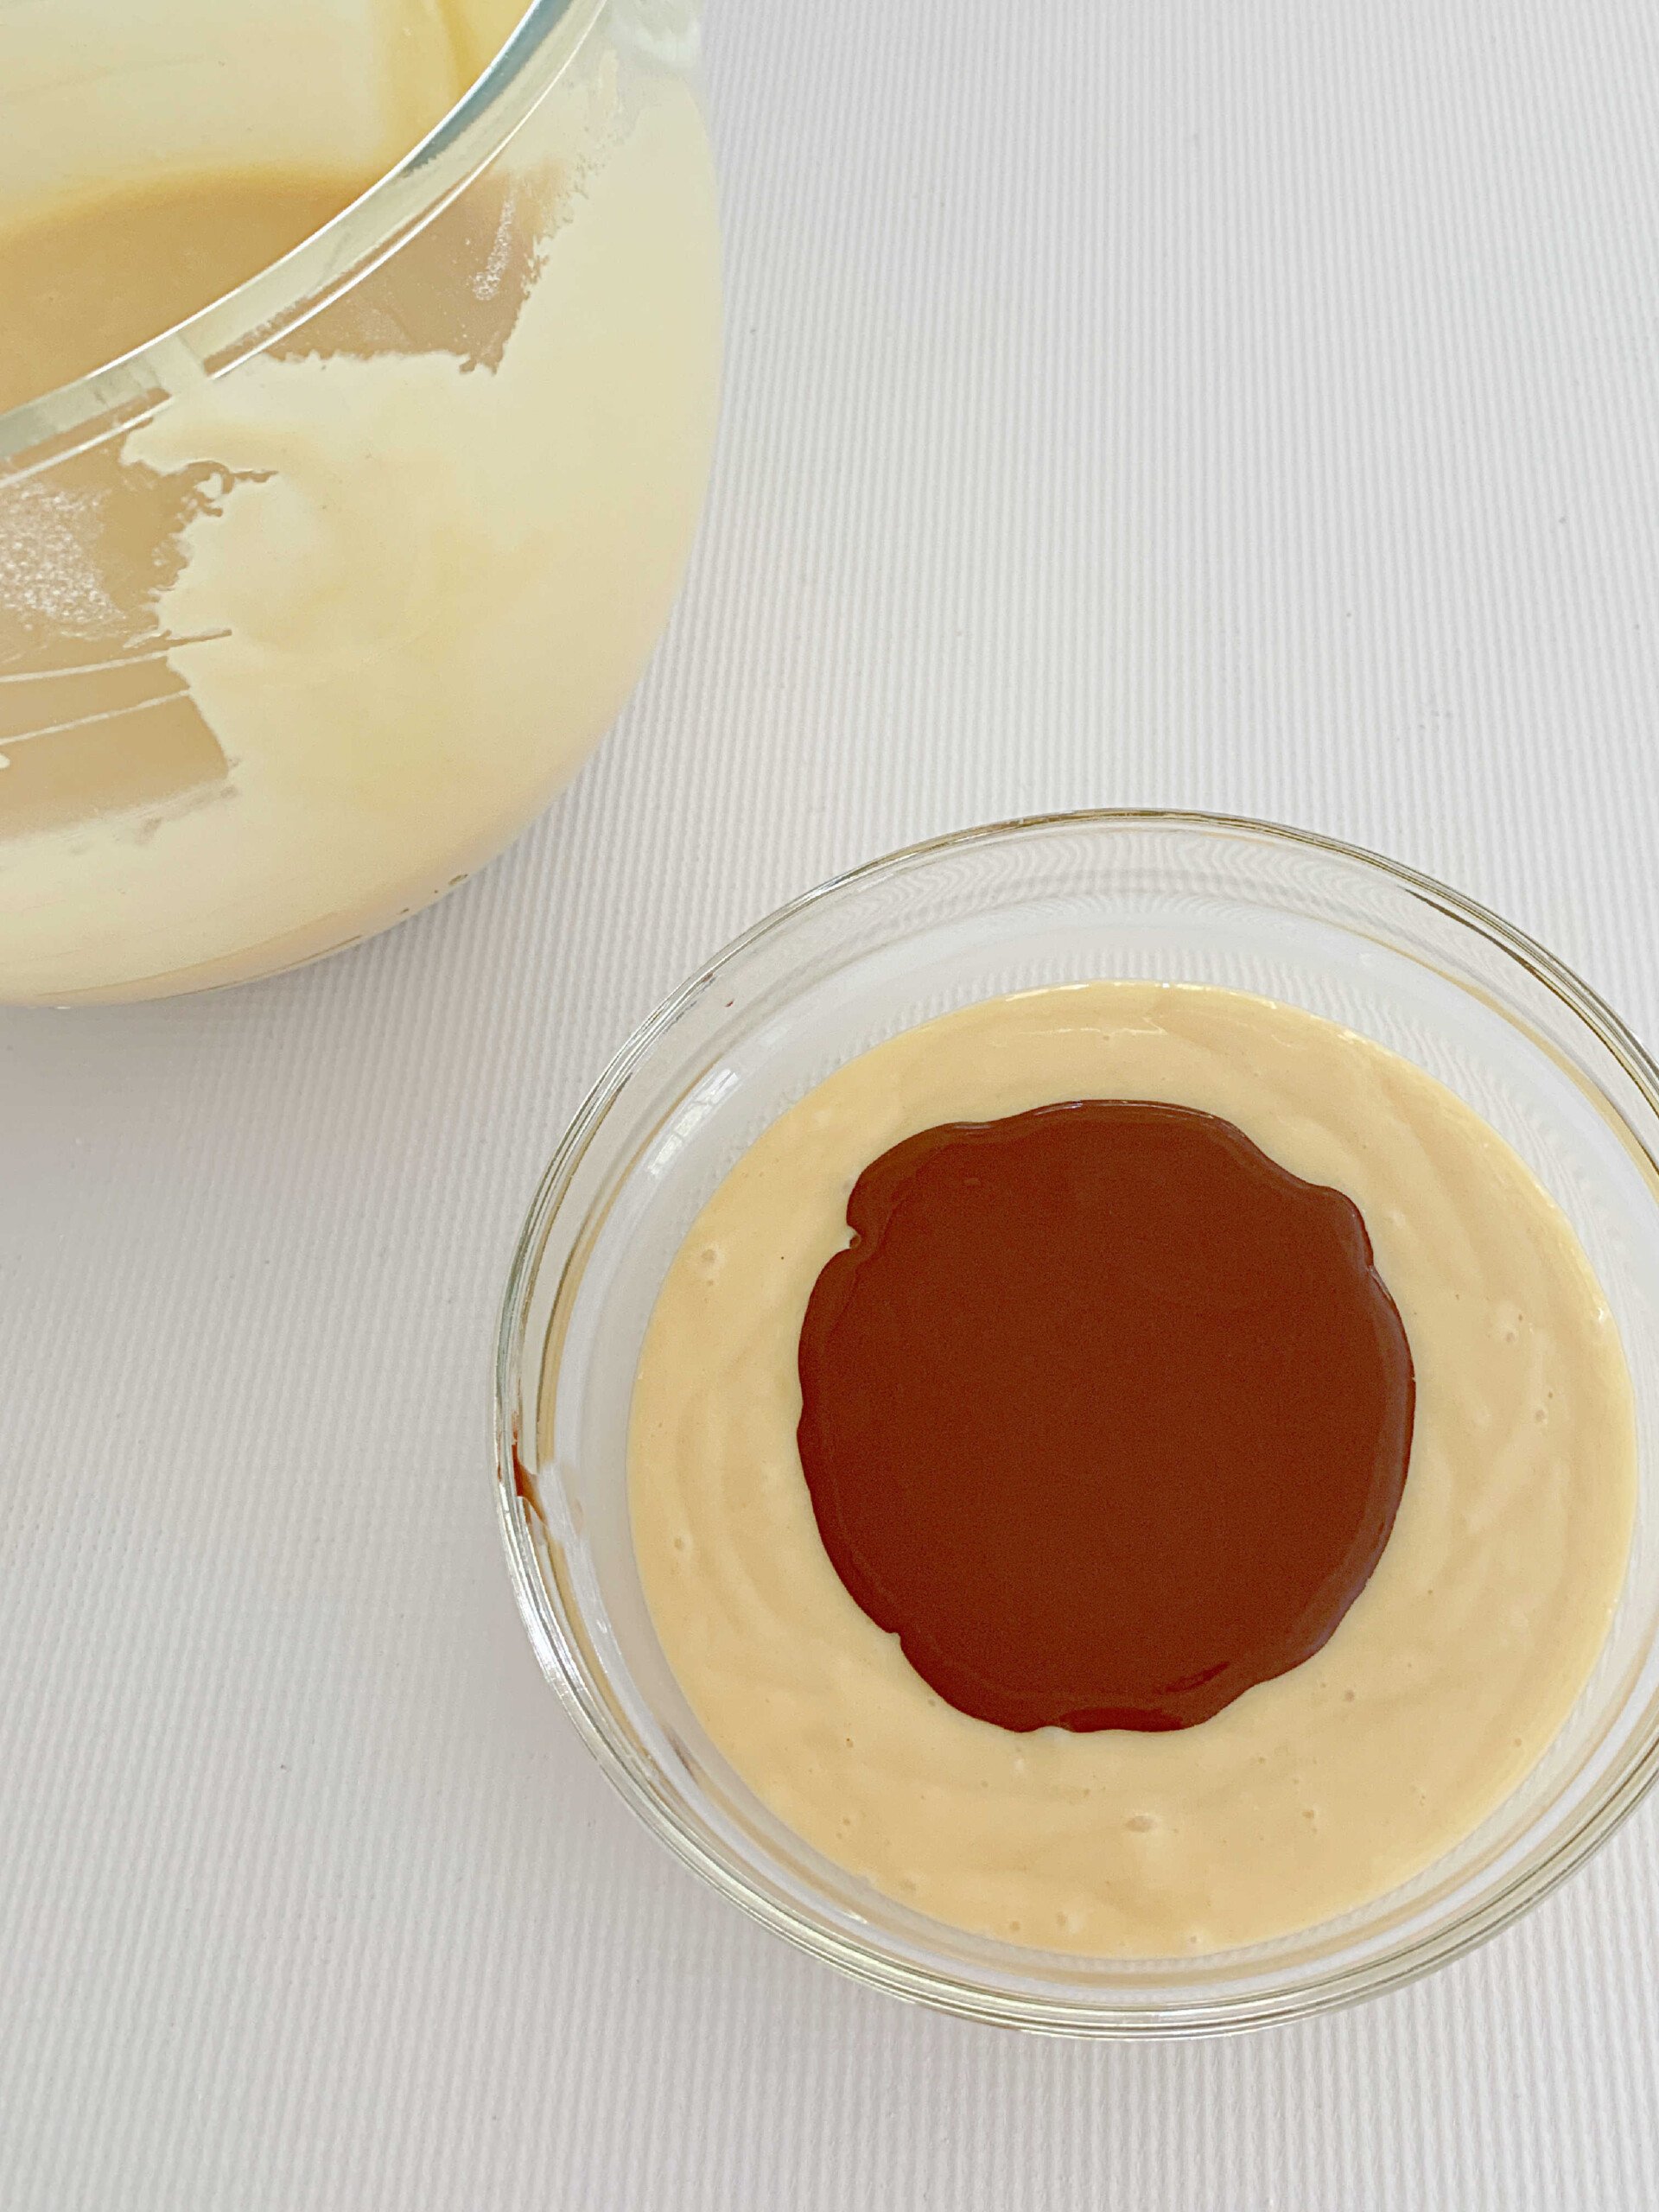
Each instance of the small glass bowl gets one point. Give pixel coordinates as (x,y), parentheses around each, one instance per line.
(1171,897)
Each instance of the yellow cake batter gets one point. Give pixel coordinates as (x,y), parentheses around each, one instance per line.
(288,657)
(127,247)
(103,273)
(1445,1681)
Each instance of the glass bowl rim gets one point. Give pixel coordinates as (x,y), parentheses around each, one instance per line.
(1405,1960)
(323,265)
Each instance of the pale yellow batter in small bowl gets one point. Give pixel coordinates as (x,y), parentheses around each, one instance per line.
(1489,1707)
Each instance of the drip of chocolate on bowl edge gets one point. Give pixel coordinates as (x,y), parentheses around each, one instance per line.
(1105,1413)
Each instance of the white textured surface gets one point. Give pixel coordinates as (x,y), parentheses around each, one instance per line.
(1238,404)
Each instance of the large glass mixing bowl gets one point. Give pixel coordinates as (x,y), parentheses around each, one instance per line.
(307,606)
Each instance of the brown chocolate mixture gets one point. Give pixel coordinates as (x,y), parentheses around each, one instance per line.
(1104,1413)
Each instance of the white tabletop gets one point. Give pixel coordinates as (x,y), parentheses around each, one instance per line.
(1241,404)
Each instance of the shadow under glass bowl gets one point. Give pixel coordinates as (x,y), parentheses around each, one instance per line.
(1068,898)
